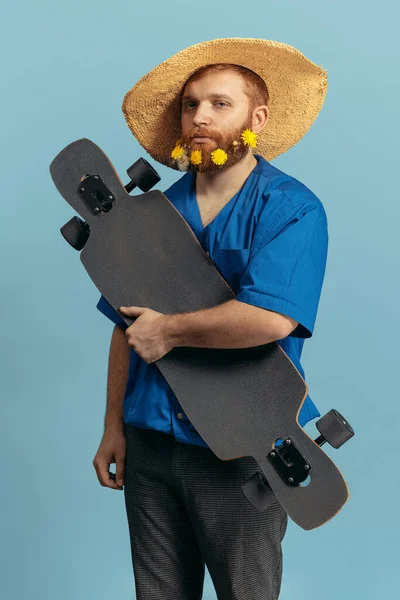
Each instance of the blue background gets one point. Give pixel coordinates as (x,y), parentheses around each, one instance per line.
(66,68)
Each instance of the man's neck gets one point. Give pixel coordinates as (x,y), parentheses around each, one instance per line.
(227,181)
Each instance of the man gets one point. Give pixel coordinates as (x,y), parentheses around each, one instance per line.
(204,111)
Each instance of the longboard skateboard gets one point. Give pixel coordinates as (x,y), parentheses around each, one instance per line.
(140,251)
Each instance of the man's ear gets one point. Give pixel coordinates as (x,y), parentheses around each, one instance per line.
(260,118)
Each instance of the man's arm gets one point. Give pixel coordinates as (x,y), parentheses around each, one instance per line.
(118,368)
(233,324)
(112,447)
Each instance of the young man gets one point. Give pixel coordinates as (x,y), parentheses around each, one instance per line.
(204,111)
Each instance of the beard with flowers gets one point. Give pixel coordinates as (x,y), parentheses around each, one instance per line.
(222,150)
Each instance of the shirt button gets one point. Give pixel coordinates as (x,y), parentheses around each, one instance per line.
(179,415)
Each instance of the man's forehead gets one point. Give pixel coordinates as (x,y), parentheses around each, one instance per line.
(220,85)
(210,95)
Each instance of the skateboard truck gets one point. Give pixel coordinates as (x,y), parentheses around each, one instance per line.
(291,465)
(99,198)
(96,194)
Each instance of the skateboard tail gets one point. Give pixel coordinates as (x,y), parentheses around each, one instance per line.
(298,500)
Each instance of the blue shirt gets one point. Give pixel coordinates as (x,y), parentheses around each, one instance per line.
(269,242)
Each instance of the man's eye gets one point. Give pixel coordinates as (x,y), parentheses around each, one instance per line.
(189,105)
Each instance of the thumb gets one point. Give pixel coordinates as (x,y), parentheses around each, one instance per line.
(132,311)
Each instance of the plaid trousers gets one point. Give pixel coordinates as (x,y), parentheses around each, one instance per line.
(185,509)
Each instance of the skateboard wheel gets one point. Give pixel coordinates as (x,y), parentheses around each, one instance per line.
(76,232)
(142,175)
(334,429)
(258,492)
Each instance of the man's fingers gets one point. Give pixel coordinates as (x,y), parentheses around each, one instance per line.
(103,474)
(120,471)
(132,311)
(112,450)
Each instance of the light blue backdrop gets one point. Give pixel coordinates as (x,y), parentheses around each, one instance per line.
(66,68)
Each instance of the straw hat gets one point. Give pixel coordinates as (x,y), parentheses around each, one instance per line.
(296,87)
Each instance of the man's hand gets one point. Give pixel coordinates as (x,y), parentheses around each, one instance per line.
(148,334)
(111,450)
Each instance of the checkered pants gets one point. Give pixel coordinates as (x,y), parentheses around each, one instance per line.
(185,510)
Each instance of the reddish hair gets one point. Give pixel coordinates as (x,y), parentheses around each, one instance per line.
(254,86)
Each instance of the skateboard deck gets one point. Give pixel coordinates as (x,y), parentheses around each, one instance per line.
(142,252)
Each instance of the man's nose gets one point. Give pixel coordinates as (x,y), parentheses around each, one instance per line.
(201,117)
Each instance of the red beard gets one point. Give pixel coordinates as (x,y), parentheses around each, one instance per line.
(224,141)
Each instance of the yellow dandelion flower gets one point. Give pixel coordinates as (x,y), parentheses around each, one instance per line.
(177,152)
(196,157)
(249,138)
(219,157)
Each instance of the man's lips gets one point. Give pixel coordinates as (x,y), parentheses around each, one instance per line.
(200,138)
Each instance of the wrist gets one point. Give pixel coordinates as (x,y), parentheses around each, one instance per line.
(113,425)
(170,330)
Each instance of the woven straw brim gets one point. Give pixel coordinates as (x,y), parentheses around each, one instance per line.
(296,86)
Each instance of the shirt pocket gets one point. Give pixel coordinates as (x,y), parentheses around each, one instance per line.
(232,263)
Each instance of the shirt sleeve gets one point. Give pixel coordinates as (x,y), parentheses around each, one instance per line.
(286,271)
(105,307)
